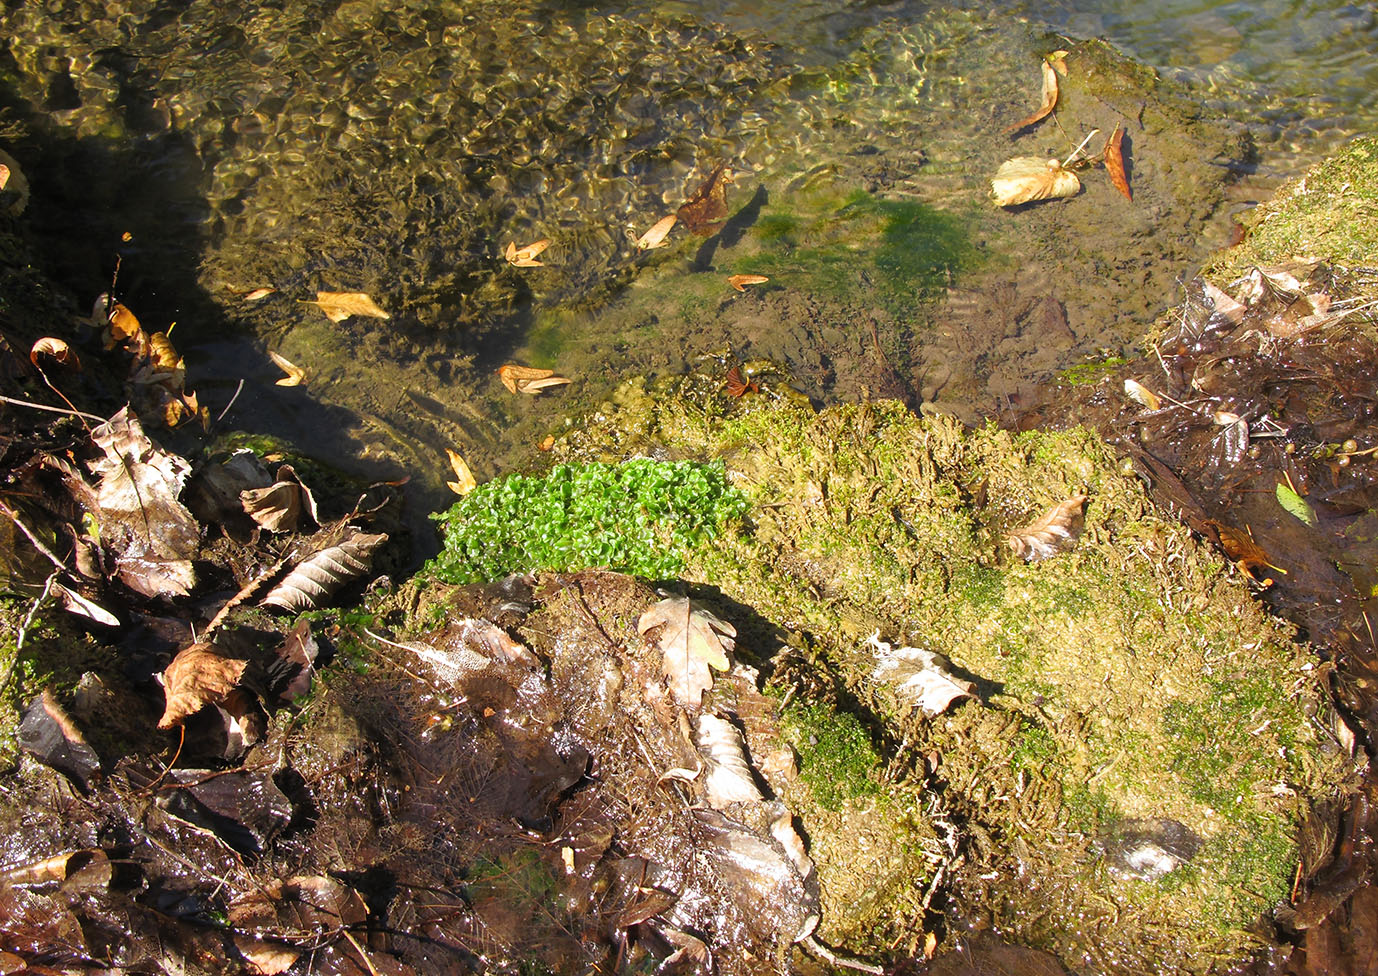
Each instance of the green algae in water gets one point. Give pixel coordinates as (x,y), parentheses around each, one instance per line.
(637,517)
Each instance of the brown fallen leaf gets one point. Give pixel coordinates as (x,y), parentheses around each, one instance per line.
(1045,107)
(655,237)
(707,205)
(124,324)
(1058,59)
(1246,554)
(280,506)
(258,294)
(740,281)
(340,305)
(528,379)
(295,374)
(692,643)
(1114,161)
(1055,531)
(525,257)
(464,478)
(547,442)
(1025,179)
(14,184)
(198,676)
(57,348)
(312,581)
(1141,394)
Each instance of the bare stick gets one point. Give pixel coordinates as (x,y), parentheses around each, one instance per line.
(1077,151)
(833,959)
(237,390)
(37,542)
(44,406)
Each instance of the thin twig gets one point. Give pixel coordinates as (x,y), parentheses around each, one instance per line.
(1089,137)
(23,632)
(44,406)
(28,533)
(833,959)
(237,390)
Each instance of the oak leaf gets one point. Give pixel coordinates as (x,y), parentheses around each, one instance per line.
(922,679)
(707,205)
(340,305)
(1025,179)
(464,478)
(57,348)
(1055,531)
(525,257)
(1049,101)
(693,643)
(315,578)
(198,676)
(655,237)
(1114,162)
(295,374)
(740,281)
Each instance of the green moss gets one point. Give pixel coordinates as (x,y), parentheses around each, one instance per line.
(836,758)
(1330,214)
(638,517)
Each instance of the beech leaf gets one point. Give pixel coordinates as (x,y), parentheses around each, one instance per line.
(1139,393)
(340,305)
(1046,106)
(740,281)
(1295,505)
(692,643)
(151,533)
(655,237)
(1025,179)
(313,580)
(198,676)
(57,348)
(1055,531)
(1114,162)
(279,507)
(922,679)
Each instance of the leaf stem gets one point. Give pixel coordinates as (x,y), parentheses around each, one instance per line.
(1077,151)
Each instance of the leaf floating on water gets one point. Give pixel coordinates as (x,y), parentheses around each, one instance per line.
(707,205)
(1141,394)
(1025,179)
(525,257)
(528,379)
(1114,162)
(922,679)
(295,374)
(57,348)
(1244,551)
(1053,532)
(464,478)
(740,281)
(1295,505)
(655,237)
(693,643)
(340,305)
(1045,107)
(312,581)
(198,676)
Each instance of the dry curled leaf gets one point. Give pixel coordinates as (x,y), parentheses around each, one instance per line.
(75,603)
(1246,554)
(1114,162)
(692,643)
(312,581)
(525,257)
(340,305)
(1055,531)
(57,348)
(1046,106)
(655,237)
(280,506)
(198,676)
(258,294)
(295,374)
(707,205)
(1058,59)
(124,324)
(1025,179)
(726,772)
(464,478)
(528,379)
(1141,394)
(922,679)
(740,281)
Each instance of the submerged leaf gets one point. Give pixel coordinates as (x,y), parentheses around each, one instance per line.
(312,581)
(922,679)
(340,305)
(740,281)
(1025,179)
(525,257)
(464,478)
(198,676)
(295,374)
(1139,393)
(1114,162)
(727,778)
(528,379)
(707,205)
(655,237)
(692,642)
(1055,531)
(1243,550)
(1045,107)
(1296,505)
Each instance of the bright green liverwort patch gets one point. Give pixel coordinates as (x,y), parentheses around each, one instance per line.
(639,517)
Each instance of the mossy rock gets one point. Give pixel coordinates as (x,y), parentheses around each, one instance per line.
(1330,214)
(1128,686)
